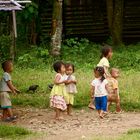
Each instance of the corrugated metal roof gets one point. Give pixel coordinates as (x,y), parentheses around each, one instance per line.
(9,5)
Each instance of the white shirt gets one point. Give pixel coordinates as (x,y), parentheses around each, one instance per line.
(103,62)
(100,89)
(71,88)
(3,83)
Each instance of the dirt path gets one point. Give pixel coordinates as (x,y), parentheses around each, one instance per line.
(82,125)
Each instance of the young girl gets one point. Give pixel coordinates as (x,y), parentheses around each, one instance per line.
(71,87)
(58,93)
(99,91)
(105,57)
(6,87)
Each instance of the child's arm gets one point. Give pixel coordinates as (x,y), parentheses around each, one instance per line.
(107,88)
(10,85)
(71,81)
(92,89)
(107,74)
(57,80)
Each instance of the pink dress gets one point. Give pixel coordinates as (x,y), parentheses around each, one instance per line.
(58,95)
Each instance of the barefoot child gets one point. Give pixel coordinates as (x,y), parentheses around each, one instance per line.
(99,91)
(114,90)
(7,87)
(70,86)
(106,55)
(58,93)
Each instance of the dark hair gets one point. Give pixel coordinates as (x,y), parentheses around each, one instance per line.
(57,65)
(101,72)
(105,50)
(68,65)
(5,64)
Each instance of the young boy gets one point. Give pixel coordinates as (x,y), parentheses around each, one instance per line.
(113,95)
(7,87)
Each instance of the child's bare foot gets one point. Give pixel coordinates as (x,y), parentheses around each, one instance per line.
(70,114)
(91,106)
(105,114)
(101,116)
(59,118)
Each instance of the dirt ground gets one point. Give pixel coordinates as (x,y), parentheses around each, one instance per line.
(84,124)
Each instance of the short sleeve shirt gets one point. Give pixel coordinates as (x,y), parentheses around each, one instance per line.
(100,89)
(103,62)
(3,83)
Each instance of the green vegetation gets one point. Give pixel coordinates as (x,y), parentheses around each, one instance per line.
(131,135)
(34,66)
(13,132)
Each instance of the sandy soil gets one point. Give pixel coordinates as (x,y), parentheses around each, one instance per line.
(84,124)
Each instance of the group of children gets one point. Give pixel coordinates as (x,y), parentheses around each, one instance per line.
(104,88)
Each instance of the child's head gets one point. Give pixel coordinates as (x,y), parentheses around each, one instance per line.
(115,72)
(59,67)
(99,72)
(106,52)
(7,66)
(69,68)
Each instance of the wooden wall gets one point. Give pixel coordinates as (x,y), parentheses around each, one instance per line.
(131,21)
(87,20)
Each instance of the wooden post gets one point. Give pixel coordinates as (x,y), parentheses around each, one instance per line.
(56,33)
(13,36)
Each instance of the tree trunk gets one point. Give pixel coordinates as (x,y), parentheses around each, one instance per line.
(115,17)
(117,25)
(109,4)
(56,34)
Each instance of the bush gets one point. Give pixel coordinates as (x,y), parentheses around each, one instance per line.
(5,43)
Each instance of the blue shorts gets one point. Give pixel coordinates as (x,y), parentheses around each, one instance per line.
(101,103)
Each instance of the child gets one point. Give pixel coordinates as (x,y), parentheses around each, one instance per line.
(70,86)
(58,93)
(114,90)
(105,57)
(99,91)
(7,87)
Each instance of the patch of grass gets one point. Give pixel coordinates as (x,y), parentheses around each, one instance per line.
(13,132)
(131,135)
(133,131)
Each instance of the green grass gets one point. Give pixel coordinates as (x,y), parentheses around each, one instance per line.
(133,134)
(13,132)
(23,78)
(38,70)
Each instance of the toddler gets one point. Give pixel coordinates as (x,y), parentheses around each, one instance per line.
(113,96)
(71,87)
(99,91)
(58,92)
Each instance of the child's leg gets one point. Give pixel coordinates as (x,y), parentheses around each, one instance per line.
(118,107)
(5,113)
(57,115)
(108,106)
(69,109)
(101,115)
(9,112)
(99,111)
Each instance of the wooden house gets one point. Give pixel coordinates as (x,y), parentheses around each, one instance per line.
(89,19)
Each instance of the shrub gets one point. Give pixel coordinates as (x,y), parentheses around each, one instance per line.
(5,43)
